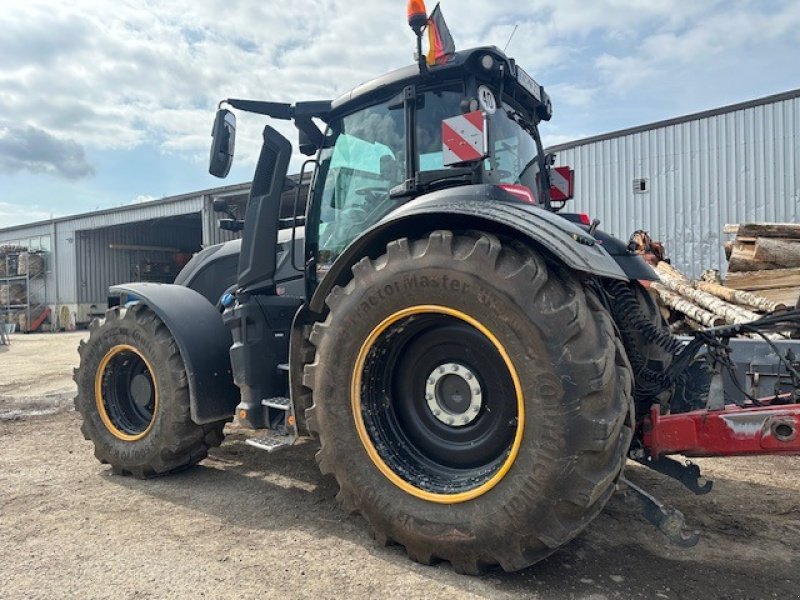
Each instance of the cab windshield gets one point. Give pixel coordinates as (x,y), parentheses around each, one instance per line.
(364,158)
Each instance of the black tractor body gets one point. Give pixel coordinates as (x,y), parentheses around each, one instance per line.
(475,365)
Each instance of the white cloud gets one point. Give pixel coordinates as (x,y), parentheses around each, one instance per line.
(11,214)
(116,75)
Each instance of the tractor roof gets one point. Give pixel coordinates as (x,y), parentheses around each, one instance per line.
(527,91)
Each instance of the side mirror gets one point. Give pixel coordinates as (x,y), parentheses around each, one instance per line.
(220,205)
(223,141)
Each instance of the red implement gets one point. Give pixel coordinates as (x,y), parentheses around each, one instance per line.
(733,431)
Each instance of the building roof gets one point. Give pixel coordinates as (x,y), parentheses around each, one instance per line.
(218,191)
(677,120)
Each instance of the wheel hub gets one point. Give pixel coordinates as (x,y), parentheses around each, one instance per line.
(453,394)
(141,390)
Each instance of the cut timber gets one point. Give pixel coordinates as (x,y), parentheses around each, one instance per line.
(789,297)
(741,261)
(781,252)
(737,296)
(778,230)
(730,313)
(667,270)
(745,250)
(763,280)
(683,305)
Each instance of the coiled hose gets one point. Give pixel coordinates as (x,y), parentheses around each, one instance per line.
(630,317)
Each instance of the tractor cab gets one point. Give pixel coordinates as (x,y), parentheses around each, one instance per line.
(473,120)
(470,120)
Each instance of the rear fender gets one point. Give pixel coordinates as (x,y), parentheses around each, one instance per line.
(482,207)
(203,340)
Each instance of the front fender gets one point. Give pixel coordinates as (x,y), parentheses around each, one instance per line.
(203,340)
(484,207)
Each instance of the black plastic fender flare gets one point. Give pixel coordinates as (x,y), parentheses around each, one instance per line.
(203,340)
(484,207)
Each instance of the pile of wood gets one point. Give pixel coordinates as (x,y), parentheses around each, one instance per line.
(764,258)
(698,304)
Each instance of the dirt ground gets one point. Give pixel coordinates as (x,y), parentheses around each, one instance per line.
(247,524)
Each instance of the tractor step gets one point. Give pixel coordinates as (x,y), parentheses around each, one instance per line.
(272,440)
(279,403)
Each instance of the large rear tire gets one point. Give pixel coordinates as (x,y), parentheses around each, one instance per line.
(472,401)
(133,395)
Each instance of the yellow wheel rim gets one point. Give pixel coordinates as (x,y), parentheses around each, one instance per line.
(101,402)
(355,397)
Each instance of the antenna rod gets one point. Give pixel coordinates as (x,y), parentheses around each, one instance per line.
(510,38)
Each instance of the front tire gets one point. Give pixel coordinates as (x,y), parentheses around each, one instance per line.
(133,395)
(510,468)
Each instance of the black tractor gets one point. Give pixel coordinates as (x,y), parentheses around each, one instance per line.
(472,362)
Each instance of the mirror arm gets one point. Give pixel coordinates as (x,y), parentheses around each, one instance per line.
(307,126)
(276,110)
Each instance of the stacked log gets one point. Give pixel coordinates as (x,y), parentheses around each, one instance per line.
(764,258)
(704,306)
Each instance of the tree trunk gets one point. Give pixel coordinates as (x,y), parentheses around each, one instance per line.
(730,313)
(738,296)
(740,262)
(683,305)
(780,230)
(764,280)
(781,252)
(667,270)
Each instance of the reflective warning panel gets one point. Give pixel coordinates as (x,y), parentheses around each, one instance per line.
(464,138)
(562,181)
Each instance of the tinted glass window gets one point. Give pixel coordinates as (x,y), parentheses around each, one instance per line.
(437,106)
(366,159)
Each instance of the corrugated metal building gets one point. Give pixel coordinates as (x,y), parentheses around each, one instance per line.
(87,253)
(682,179)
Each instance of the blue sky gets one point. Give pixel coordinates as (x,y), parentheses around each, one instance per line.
(108,103)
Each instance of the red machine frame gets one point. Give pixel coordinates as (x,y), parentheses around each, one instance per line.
(731,431)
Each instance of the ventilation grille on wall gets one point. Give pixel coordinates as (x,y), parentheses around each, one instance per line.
(640,185)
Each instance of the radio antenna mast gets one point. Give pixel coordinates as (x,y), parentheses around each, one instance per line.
(510,38)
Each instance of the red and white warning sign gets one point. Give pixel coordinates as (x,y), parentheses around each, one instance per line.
(463,138)
(561,183)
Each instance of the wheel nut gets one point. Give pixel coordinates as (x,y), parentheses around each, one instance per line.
(455,367)
(468,375)
(477,391)
(428,397)
(441,369)
(431,380)
(437,412)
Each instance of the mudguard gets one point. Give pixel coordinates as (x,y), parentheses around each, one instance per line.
(485,207)
(203,340)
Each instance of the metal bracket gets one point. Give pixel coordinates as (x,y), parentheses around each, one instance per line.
(688,474)
(670,521)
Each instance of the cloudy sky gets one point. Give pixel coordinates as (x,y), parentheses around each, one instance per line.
(107,103)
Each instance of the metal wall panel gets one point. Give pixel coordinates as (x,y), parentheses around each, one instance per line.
(99,266)
(741,165)
(62,284)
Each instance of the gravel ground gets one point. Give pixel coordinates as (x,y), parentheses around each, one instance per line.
(246,524)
